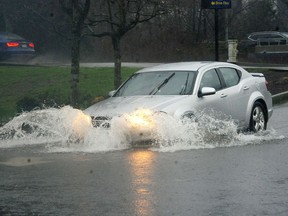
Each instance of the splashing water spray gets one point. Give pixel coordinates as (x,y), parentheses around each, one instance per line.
(68,130)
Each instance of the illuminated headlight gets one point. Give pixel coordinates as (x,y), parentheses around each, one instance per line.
(81,123)
(141,119)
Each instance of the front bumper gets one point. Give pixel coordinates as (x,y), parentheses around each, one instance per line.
(138,127)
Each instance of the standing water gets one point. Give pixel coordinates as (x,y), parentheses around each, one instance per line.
(59,129)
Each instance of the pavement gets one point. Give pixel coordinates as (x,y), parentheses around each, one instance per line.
(230,175)
(141,64)
(124,64)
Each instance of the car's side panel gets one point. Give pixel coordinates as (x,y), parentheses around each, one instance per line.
(217,102)
(216,105)
(238,98)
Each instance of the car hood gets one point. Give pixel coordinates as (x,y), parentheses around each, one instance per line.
(119,105)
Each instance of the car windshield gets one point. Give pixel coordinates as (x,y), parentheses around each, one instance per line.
(158,83)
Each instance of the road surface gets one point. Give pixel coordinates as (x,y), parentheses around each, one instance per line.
(250,178)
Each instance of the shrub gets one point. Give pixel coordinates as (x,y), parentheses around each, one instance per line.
(27,104)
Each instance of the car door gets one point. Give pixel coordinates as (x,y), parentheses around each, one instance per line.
(215,104)
(237,92)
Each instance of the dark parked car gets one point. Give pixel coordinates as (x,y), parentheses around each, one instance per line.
(264,38)
(13,46)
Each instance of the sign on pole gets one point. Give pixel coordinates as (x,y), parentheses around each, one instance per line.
(216,4)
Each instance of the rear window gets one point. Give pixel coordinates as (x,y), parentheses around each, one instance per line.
(10,36)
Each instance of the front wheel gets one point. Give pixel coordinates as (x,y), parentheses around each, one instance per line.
(258,120)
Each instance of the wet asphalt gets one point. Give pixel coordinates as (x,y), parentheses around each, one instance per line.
(240,180)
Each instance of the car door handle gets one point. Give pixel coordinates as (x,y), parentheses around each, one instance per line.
(246,87)
(223,95)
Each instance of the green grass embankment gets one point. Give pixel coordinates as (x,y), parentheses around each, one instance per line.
(53,83)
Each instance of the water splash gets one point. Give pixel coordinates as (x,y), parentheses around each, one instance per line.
(44,126)
(206,132)
(69,130)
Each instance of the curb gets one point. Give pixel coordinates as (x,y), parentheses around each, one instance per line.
(280,98)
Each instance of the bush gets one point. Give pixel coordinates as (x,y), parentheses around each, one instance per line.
(44,100)
(50,99)
(27,104)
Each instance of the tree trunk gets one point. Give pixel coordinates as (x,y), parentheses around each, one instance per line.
(75,55)
(2,17)
(79,14)
(117,62)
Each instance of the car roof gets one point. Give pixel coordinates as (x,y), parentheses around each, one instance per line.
(9,35)
(184,66)
(268,32)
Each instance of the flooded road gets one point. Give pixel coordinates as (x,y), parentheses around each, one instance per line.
(246,176)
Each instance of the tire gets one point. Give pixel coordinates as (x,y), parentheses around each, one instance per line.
(258,118)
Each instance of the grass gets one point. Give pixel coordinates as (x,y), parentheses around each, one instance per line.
(18,82)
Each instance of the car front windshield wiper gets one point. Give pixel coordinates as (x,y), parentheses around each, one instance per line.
(164,82)
(183,90)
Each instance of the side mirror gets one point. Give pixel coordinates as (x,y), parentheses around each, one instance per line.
(111,93)
(206,91)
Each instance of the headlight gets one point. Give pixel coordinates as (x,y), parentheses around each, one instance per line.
(81,123)
(141,118)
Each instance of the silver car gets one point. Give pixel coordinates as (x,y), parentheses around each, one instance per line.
(182,90)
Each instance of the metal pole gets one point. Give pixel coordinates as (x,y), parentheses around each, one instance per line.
(216,35)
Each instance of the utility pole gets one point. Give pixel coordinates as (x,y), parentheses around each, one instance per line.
(216,26)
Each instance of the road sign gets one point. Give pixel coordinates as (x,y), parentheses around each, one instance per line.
(216,4)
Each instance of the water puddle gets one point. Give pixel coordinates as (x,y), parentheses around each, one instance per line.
(58,130)
(24,161)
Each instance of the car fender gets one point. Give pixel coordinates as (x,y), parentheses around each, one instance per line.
(254,97)
(181,112)
(187,107)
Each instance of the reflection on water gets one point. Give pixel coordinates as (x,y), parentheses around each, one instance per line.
(142,170)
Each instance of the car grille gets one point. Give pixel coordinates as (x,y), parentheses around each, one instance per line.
(101,121)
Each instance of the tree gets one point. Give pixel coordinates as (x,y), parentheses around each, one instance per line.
(118,17)
(78,10)
(252,16)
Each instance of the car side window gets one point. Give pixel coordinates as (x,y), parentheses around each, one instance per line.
(211,79)
(230,75)
(260,36)
(257,36)
(275,36)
